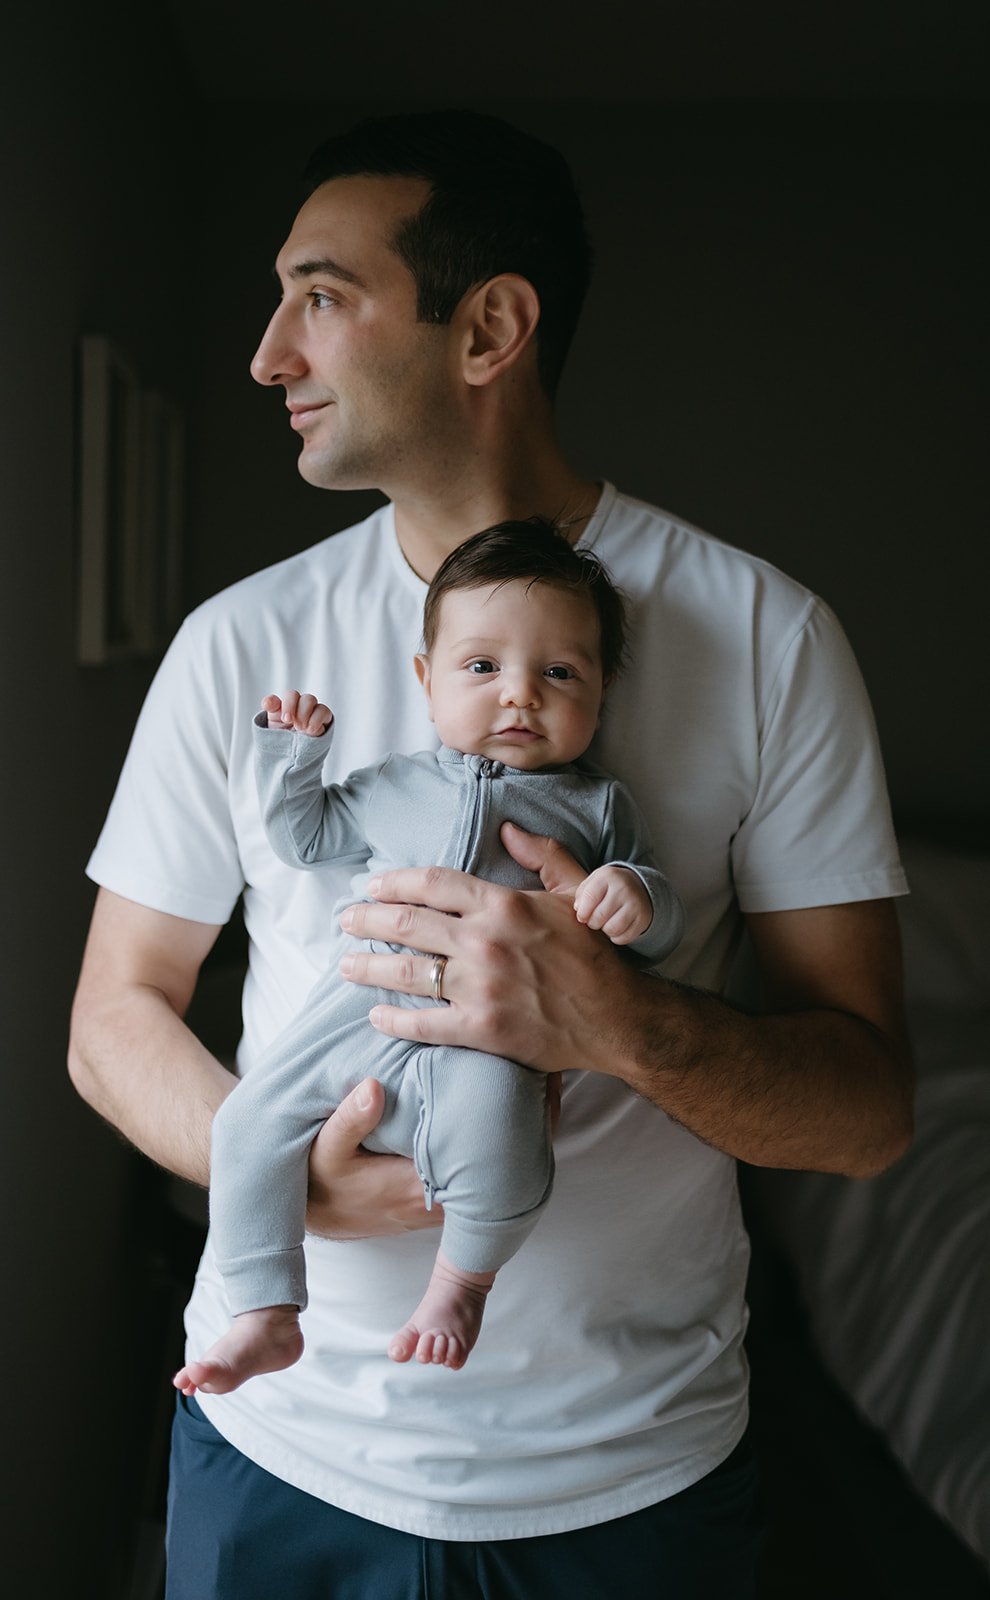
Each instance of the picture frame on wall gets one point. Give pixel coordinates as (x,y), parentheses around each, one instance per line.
(130,509)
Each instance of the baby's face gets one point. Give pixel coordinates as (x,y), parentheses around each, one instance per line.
(515,674)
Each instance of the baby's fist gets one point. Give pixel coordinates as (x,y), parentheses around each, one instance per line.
(614,901)
(293,712)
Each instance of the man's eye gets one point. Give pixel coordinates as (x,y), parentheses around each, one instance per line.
(322,301)
(481,666)
(558,672)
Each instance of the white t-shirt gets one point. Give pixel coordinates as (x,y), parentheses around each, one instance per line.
(610,1372)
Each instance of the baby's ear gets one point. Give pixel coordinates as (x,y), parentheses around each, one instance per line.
(422,665)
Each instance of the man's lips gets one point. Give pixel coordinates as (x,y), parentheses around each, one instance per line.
(303,412)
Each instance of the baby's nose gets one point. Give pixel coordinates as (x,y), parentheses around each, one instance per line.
(521,689)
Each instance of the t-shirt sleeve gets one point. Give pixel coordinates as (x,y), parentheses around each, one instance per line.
(169,841)
(819,831)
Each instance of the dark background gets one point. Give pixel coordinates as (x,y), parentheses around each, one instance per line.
(785,343)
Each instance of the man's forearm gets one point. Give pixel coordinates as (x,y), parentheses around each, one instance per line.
(822,1082)
(137,1064)
(133,1059)
(817,1090)
(131,1056)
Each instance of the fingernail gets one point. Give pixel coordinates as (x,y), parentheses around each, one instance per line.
(375,1016)
(346,918)
(374,884)
(363,1097)
(346,966)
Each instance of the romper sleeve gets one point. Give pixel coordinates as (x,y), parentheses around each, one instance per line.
(308,823)
(626,843)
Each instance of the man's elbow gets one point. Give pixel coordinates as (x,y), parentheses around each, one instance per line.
(892,1140)
(79,1058)
(80,1075)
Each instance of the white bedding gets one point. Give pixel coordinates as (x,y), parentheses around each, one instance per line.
(895,1271)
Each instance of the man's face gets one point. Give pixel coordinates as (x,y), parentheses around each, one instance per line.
(370,390)
(515,674)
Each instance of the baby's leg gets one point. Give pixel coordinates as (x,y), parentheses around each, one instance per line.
(257,1341)
(445,1325)
(262,1136)
(482,1146)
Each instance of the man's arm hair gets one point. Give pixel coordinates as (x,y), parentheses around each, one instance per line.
(822,1078)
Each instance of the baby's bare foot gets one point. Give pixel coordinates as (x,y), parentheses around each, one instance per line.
(444,1327)
(258,1341)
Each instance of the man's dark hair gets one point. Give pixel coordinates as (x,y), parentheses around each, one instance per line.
(501,201)
(531,551)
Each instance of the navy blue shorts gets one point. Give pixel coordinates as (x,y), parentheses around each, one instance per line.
(237,1533)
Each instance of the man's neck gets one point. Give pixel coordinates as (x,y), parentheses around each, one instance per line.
(431,525)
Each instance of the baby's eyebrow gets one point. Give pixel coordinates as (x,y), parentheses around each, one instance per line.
(576,652)
(473,643)
(569,651)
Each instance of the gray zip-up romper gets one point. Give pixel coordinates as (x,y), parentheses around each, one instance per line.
(475,1125)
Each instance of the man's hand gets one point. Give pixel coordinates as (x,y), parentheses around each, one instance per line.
(823,1083)
(523,978)
(353,1193)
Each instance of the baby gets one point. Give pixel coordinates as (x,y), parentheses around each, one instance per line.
(522,635)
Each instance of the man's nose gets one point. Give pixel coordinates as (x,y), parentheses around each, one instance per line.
(277,360)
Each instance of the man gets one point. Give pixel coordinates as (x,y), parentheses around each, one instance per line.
(430,286)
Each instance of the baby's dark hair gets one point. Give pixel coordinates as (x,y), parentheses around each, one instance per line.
(533,551)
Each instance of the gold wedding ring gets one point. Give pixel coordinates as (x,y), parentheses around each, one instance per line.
(436,979)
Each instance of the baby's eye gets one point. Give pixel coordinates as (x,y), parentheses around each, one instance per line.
(481,666)
(562,673)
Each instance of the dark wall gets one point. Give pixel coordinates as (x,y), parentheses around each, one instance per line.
(96,222)
(784,343)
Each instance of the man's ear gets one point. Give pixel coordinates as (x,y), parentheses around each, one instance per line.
(422,665)
(499,319)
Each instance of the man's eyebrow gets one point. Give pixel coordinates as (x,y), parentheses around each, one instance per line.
(325,267)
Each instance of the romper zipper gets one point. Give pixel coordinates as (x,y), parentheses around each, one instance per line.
(481,773)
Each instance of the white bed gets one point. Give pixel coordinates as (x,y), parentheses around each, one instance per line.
(895,1271)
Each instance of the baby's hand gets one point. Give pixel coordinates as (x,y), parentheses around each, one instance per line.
(614,900)
(300,712)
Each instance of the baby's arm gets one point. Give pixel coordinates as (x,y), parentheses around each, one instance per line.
(628,897)
(299,713)
(614,900)
(308,823)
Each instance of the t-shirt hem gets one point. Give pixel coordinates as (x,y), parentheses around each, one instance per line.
(882,884)
(469,1523)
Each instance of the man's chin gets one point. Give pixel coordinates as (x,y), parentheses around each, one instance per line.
(331,471)
(312,472)
(325,473)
